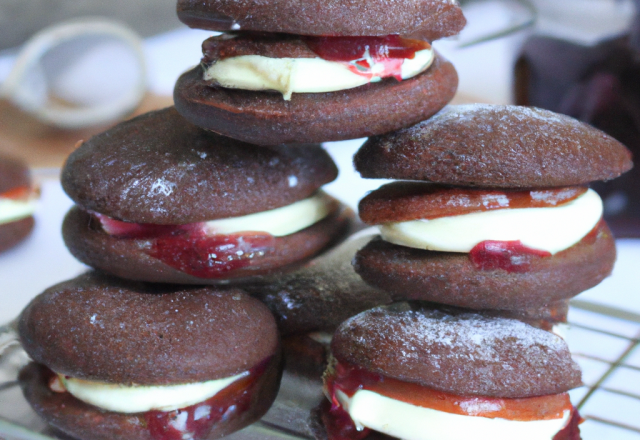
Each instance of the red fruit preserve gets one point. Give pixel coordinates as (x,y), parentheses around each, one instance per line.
(353,48)
(195,422)
(20,193)
(511,256)
(191,248)
(389,51)
(349,379)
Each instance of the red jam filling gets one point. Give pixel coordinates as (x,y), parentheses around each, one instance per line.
(511,256)
(20,193)
(571,431)
(195,422)
(349,379)
(191,249)
(390,51)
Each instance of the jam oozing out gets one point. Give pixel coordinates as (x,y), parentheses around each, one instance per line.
(349,379)
(195,422)
(511,256)
(515,257)
(192,249)
(571,431)
(339,425)
(358,52)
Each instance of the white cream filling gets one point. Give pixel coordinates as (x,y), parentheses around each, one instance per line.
(139,398)
(551,229)
(14,210)
(410,422)
(303,75)
(281,221)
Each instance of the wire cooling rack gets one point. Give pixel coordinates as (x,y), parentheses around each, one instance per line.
(605,342)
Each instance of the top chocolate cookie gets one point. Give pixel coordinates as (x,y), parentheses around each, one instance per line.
(159,168)
(457,352)
(495,146)
(424,19)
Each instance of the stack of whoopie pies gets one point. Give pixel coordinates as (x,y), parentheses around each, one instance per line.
(183,211)
(488,233)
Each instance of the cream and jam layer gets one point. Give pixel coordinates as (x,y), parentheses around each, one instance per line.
(399,419)
(277,222)
(548,229)
(17,205)
(336,63)
(140,398)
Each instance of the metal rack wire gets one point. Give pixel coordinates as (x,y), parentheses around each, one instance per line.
(605,341)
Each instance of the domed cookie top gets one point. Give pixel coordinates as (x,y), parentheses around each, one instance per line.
(158,168)
(425,19)
(465,354)
(101,328)
(495,146)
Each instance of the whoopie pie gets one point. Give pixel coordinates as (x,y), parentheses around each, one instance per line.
(17,202)
(315,71)
(161,200)
(419,373)
(501,216)
(119,360)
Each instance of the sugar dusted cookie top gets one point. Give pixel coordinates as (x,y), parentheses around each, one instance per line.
(495,146)
(459,353)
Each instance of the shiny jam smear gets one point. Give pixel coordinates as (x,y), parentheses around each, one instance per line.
(358,52)
(513,256)
(191,249)
(195,422)
(350,379)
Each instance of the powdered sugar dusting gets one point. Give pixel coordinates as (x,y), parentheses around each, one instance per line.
(469,354)
(468,335)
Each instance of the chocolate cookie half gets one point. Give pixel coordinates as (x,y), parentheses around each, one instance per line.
(425,19)
(508,222)
(138,361)
(17,202)
(493,146)
(162,200)
(320,295)
(265,118)
(414,372)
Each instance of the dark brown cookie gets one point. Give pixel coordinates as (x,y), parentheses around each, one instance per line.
(13,233)
(265,118)
(425,19)
(127,257)
(13,174)
(320,295)
(97,327)
(451,278)
(158,168)
(86,422)
(459,353)
(262,44)
(406,201)
(495,146)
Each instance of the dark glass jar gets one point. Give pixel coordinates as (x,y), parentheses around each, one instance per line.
(599,85)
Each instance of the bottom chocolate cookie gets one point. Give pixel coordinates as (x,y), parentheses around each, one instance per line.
(86,422)
(452,278)
(137,259)
(13,233)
